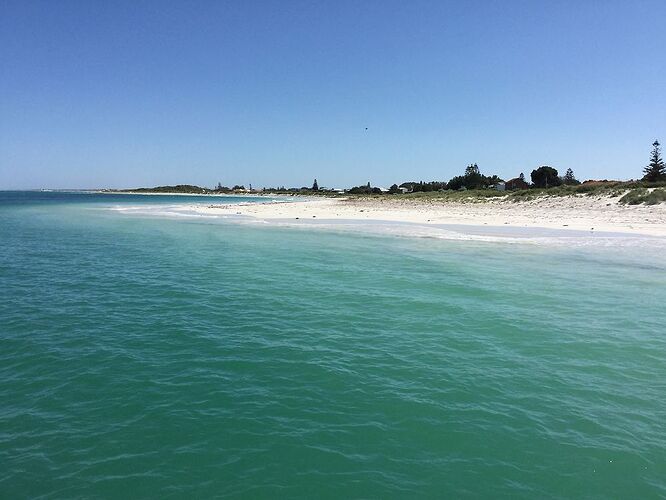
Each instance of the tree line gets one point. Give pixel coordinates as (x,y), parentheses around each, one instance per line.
(472,179)
(542,177)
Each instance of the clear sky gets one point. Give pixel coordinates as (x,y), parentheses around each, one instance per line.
(138,93)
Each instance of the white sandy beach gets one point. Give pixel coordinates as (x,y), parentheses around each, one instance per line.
(581,213)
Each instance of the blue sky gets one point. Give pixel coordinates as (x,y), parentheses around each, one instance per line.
(124,94)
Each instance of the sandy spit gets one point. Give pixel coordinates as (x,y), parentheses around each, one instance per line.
(572,212)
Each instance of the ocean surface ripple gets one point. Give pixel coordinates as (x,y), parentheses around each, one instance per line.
(154,357)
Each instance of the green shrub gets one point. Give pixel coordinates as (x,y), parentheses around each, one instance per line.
(639,196)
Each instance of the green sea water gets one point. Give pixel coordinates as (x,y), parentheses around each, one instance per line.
(150,352)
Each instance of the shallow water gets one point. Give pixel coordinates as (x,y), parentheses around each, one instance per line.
(157,355)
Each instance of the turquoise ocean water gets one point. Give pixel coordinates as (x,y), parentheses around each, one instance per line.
(148,353)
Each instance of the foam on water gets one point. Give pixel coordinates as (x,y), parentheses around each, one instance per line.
(653,246)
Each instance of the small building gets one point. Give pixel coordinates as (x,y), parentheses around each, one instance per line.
(516,183)
(500,186)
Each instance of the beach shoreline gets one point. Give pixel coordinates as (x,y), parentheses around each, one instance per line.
(569,215)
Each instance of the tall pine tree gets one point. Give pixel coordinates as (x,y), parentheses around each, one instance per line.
(656,170)
(569,178)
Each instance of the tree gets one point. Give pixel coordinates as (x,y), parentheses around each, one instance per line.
(365,190)
(545,176)
(492,180)
(569,178)
(315,186)
(456,183)
(394,189)
(472,169)
(656,170)
(473,177)
(522,177)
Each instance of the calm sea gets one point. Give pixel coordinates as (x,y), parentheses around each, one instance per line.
(149,352)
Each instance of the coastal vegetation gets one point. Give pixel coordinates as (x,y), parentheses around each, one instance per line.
(644,196)
(545,177)
(180,189)
(474,186)
(656,170)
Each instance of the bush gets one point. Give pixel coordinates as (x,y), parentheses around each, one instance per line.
(642,195)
